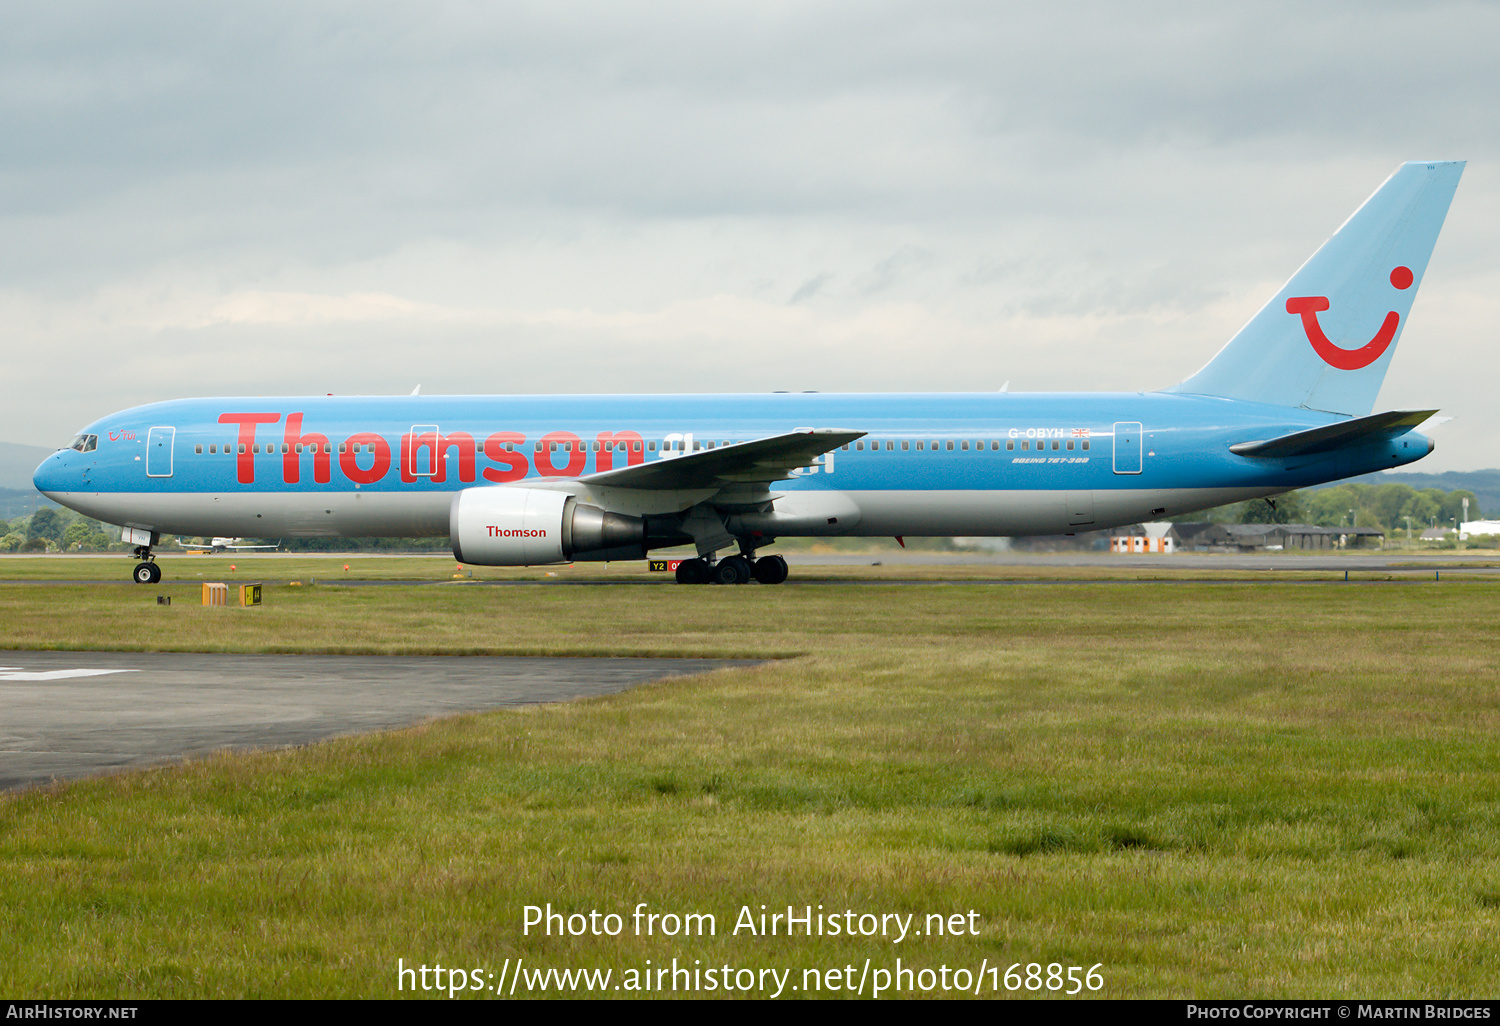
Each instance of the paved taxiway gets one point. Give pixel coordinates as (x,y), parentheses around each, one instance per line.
(1464,562)
(76,714)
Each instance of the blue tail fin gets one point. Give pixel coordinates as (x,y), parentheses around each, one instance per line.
(1324,341)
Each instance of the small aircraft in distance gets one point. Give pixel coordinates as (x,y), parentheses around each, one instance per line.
(223,545)
(531,480)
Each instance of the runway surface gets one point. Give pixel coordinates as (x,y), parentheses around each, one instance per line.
(76,714)
(1483,563)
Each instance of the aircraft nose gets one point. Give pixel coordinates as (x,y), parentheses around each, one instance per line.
(48,477)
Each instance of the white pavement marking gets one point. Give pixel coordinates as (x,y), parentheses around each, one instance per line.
(16,673)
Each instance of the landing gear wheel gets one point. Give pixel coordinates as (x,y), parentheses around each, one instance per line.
(770,569)
(734,570)
(147,573)
(692,571)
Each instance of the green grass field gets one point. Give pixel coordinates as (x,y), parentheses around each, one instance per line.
(1209,789)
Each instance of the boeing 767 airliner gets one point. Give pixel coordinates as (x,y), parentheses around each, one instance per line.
(529,480)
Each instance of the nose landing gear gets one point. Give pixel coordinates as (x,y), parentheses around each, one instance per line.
(146,571)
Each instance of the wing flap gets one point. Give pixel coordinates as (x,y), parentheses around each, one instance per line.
(1359,431)
(759,462)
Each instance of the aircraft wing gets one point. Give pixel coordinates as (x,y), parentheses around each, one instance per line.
(1374,428)
(759,462)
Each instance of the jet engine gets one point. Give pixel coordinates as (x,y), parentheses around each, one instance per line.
(532,526)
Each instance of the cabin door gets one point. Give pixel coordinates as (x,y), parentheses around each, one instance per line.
(1127,447)
(159,442)
(423,436)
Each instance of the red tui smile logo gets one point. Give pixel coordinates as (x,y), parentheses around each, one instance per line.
(1335,356)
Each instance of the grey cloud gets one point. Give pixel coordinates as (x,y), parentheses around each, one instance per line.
(1126,163)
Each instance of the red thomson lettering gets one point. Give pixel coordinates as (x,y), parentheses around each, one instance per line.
(438,445)
(349,458)
(245,464)
(291,462)
(577,458)
(514,459)
(609,440)
(510,532)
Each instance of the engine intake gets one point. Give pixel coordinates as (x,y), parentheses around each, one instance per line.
(532,526)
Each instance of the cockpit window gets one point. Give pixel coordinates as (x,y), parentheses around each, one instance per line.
(85,443)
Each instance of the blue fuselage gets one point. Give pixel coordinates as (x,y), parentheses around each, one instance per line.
(971,464)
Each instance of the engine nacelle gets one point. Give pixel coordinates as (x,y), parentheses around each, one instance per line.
(532,526)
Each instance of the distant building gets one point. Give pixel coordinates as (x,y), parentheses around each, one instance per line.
(1152,537)
(1205,537)
(1476,527)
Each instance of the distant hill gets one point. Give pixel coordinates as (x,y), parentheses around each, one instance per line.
(1485,484)
(17,463)
(17,496)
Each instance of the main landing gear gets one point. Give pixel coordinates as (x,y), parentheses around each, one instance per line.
(734,570)
(146,571)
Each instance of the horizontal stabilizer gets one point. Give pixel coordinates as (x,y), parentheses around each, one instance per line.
(1359,431)
(759,462)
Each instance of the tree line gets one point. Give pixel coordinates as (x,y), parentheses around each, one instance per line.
(51,529)
(1390,507)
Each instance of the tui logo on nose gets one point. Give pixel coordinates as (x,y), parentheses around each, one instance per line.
(1336,356)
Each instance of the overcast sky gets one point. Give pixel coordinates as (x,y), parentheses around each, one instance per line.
(293,198)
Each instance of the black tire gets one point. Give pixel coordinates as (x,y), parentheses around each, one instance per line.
(734,570)
(692,571)
(770,569)
(147,573)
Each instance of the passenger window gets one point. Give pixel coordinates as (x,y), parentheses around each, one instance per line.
(1070,446)
(905,445)
(964,446)
(1010,446)
(1085,445)
(1054,445)
(242,448)
(198,450)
